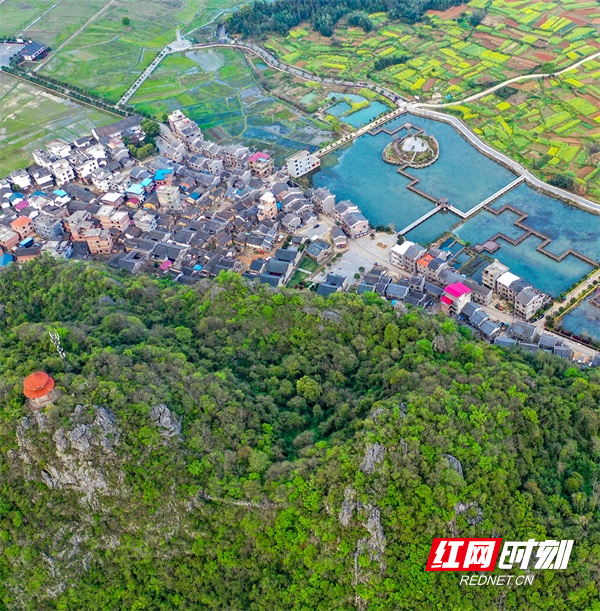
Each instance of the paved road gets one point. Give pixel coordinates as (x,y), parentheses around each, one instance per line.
(501,158)
(583,286)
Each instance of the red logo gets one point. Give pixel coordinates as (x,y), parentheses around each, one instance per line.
(463,554)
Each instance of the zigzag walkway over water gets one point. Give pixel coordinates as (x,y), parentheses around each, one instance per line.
(529,231)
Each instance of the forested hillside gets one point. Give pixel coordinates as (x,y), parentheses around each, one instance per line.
(265,16)
(235,447)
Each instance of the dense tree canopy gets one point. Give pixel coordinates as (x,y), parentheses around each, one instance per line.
(279,394)
(278,16)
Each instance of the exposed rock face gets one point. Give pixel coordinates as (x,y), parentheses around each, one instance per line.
(473,511)
(352,507)
(454,463)
(376,542)
(75,453)
(377,412)
(373,457)
(348,506)
(167,422)
(400,308)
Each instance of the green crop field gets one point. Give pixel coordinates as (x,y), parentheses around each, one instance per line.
(48,22)
(551,126)
(448,57)
(106,57)
(30,117)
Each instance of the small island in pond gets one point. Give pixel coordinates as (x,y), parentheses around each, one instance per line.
(413,151)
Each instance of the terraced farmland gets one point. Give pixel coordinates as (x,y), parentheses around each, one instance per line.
(552,126)
(450,58)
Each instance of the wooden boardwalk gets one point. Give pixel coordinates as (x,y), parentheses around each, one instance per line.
(529,231)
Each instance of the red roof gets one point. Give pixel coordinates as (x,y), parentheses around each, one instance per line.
(37,385)
(21,221)
(164,266)
(446,300)
(457,289)
(259,155)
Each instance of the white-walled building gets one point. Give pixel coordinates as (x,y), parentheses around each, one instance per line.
(302,163)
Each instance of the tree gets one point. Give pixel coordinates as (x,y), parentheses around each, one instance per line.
(562,181)
(308,388)
(151,128)
(476,17)
(125,21)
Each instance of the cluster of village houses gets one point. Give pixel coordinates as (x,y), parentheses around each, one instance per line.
(199,208)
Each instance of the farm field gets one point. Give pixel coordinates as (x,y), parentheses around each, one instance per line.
(218,89)
(47,21)
(450,58)
(551,126)
(106,57)
(208,12)
(30,117)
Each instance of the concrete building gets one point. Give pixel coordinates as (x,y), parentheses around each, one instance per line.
(455,297)
(63,171)
(324,200)
(302,163)
(146,222)
(339,238)
(355,224)
(267,206)
(480,294)
(412,254)
(99,241)
(113,219)
(169,196)
(491,273)
(261,164)
(8,238)
(58,249)
(48,226)
(528,302)
(398,251)
(503,286)
(23,225)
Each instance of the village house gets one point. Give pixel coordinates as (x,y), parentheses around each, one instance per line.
(318,250)
(455,297)
(99,241)
(324,200)
(48,226)
(261,164)
(23,225)
(302,163)
(8,238)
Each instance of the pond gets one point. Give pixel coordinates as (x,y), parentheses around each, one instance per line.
(466,177)
(584,320)
(462,174)
(365,115)
(339,109)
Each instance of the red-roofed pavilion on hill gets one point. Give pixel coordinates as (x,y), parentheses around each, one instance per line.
(38,387)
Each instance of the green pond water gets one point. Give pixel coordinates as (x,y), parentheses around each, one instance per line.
(466,177)
(360,117)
